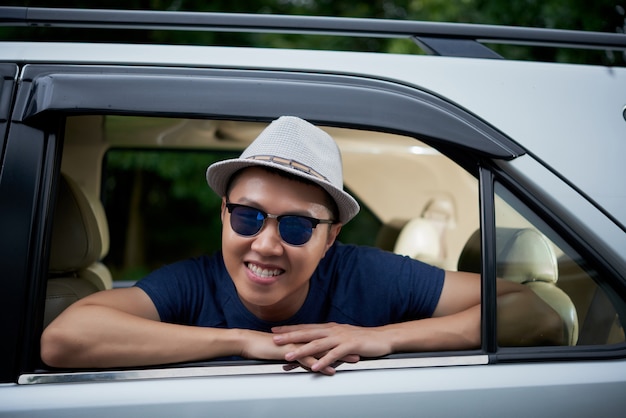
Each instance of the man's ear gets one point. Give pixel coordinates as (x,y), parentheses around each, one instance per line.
(333,232)
(223,209)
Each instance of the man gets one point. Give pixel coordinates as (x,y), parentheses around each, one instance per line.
(282,288)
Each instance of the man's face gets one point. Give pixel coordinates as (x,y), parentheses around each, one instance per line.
(271,276)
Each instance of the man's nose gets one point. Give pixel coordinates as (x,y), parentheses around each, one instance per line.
(268,241)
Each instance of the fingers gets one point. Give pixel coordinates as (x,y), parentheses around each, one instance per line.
(351,358)
(319,347)
(315,355)
(323,362)
(318,360)
(304,363)
(299,337)
(290,366)
(307,363)
(295,334)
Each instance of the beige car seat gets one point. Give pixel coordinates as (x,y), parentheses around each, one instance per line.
(424,238)
(420,239)
(80,239)
(526,256)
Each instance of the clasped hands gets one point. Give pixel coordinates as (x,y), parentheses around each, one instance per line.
(323,347)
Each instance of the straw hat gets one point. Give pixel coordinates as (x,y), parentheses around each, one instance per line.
(297,147)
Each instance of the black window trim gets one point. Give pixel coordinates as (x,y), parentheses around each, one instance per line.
(32,157)
(489,335)
(8,77)
(344,100)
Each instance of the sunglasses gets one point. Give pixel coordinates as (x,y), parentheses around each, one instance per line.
(293,229)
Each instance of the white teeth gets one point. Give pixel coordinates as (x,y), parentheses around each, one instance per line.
(261,272)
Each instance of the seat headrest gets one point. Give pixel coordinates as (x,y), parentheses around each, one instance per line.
(420,239)
(80,234)
(522,255)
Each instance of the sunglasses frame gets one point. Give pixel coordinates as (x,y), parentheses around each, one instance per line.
(314,221)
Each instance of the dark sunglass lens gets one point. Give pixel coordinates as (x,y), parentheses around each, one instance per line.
(246,221)
(295,230)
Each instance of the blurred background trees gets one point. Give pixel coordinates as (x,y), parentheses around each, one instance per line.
(597,15)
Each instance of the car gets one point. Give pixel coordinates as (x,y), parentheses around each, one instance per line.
(459,157)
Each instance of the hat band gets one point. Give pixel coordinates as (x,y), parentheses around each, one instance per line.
(289,163)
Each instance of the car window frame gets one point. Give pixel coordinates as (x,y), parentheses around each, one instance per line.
(614,284)
(43,109)
(48,94)
(8,77)
(30,161)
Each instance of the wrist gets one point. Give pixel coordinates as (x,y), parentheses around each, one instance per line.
(236,340)
(395,337)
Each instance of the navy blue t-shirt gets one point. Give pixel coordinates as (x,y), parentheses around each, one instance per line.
(355,285)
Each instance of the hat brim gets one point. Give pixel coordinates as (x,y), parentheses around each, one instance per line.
(219,174)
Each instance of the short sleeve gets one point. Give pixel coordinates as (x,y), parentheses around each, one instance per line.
(372,287)
(177,290)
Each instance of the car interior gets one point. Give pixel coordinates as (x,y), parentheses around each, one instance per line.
(415,201)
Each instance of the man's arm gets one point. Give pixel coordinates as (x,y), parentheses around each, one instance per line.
(121,327)
(523,318)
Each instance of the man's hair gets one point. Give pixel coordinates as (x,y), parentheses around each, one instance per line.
(329,202)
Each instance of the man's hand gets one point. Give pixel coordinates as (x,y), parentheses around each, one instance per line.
(261,345)
(318,347)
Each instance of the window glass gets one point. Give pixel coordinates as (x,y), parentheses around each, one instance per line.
(529,252)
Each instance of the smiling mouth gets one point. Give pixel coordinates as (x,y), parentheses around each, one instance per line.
(263,272)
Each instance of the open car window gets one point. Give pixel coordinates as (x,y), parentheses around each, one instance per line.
(157,209)
(415,201)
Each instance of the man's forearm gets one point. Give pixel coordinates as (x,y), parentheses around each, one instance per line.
(99,336)
(451,332)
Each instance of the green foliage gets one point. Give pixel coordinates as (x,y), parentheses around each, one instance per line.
(599,15)
(184,175)
(362,229)
(160,208)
